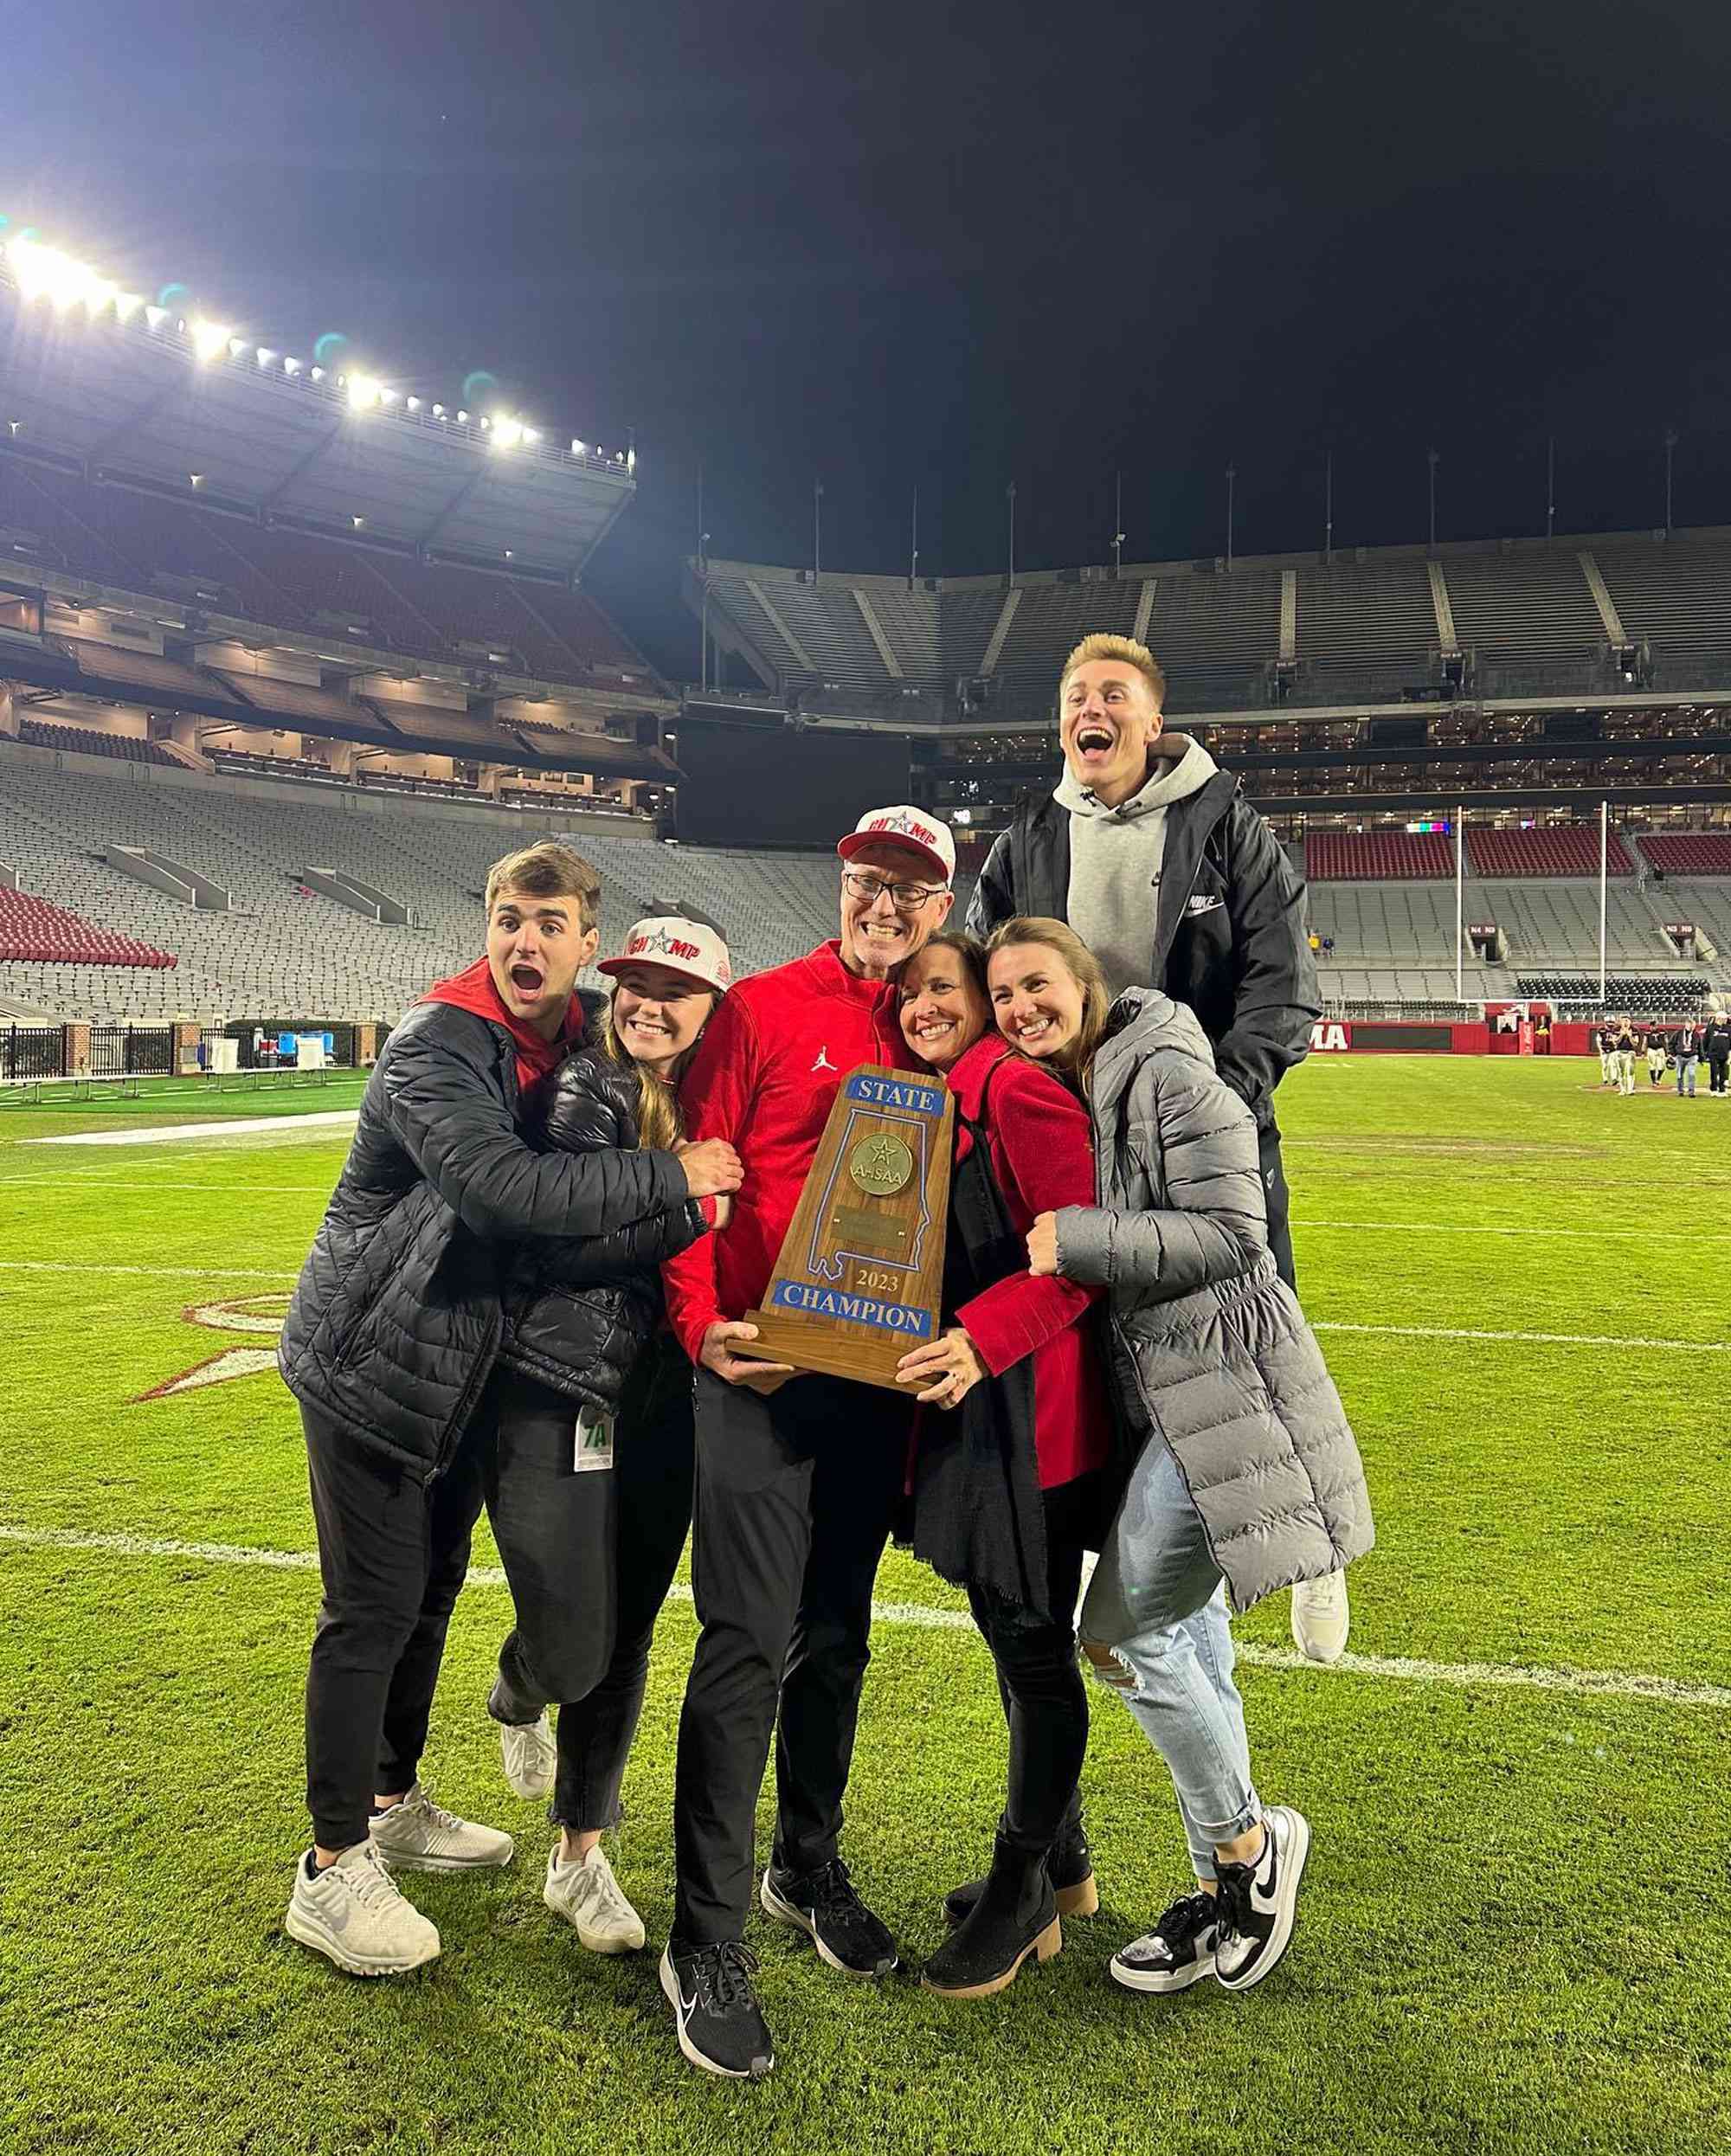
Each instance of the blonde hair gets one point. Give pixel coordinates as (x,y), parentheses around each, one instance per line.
(1059,939)
(660,1126)
(1125,649)
(547,871)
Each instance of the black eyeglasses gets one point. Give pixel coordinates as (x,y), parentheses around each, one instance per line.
(905,898)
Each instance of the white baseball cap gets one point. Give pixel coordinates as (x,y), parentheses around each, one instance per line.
(907,827)
(691,948)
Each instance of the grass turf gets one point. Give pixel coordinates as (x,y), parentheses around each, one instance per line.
(1517,1931)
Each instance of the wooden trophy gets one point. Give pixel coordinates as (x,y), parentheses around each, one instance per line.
(860,1277)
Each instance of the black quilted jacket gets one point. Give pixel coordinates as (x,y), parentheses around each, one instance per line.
(396,1322)
(578,1311)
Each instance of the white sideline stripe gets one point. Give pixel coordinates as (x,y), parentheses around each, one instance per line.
(1581,1683)
(193,1269)
(1537,1339)
(170,1132)
(1453,1227)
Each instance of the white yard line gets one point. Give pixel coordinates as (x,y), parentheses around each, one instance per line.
(193,1269)
(1535,1340)
(1580,1683)
(171,1133)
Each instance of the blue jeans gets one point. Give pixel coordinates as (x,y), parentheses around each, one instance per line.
(1157,1602)
(1686,1069)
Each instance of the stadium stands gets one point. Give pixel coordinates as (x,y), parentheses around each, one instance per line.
(1376,856)
(1050,620)
(1674,593)
(376,594)
(1560,849)
(1649,994)
(1689,853)
(87,741)
(1357,622)
(1522,608)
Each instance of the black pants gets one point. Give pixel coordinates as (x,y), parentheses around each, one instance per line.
(794,1498)
(392,1553)
(652,1467)
(1716,1067)
(1279,1201)
(554,1527)
(1046,1701)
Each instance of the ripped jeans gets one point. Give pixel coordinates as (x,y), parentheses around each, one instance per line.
(1155,1629)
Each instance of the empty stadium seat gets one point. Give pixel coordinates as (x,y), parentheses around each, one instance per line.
(1689,853)
(1560,850)
(1373,856)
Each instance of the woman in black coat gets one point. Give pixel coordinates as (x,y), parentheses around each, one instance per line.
(600,1469)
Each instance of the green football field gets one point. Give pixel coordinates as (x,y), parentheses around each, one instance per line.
(1515,1932)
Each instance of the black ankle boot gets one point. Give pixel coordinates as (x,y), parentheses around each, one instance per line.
(1069,1866)
(1016,1915)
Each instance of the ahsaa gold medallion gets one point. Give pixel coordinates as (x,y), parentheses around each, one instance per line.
(880,1165)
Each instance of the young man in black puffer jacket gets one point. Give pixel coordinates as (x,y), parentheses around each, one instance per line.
(591,1530)
(389,1346)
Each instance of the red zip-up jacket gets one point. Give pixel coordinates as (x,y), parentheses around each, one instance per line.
(764,1077)
(1042,1148)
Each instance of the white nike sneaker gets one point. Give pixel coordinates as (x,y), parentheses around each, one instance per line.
(531,1755)
(418,1835)
(1321,1618)
(591,1900)
(354,1914)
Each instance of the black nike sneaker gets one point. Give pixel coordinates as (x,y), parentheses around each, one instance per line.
(1258,1902)
(1178,1952)
(825,1903)
(720,2025)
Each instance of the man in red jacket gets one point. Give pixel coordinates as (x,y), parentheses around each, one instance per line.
(797,1477)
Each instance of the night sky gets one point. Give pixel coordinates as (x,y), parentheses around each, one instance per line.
(897,246)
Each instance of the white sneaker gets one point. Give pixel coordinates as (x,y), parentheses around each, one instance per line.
(589,1898)
(354,1914)
(1321,1620)
(418,1835)
(531,1755)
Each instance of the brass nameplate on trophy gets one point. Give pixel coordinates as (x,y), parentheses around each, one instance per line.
(860,1277)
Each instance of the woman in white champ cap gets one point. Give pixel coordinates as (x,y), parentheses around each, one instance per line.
(584,1319)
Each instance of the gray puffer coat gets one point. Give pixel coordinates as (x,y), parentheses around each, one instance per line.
(1211,1351)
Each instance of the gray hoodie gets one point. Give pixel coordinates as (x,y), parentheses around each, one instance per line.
(1116,854)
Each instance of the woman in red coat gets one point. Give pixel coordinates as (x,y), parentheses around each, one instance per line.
(1008,1474)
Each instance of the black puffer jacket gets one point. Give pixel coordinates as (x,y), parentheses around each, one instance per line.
(396,1322)
(1225,933)
(578,1311)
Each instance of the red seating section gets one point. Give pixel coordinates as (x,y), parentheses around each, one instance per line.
(1569,849)
(121,537)
(1690,853)
(31,928)
(1367,856)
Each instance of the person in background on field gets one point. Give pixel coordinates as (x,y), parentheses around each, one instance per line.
(1010,1453)
(1604,1040)
(1155,858)
(1715,1046)
(1655,1045)
(1686,1047)
(389,1347)
(1247,1477)
(1622,1054)
(799,1478)
(591,1519)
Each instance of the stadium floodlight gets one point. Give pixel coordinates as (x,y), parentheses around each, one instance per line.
(156,317)
(210,340)
(506,433)
(317,374)
(236,346)
(44,273)
(126,304)
(265,357)
(578,449)
(363,392)
(414,404)
(462,419)
(292,366)
(438,411)
(531,436)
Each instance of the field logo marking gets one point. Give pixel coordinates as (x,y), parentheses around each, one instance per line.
(240,1314)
